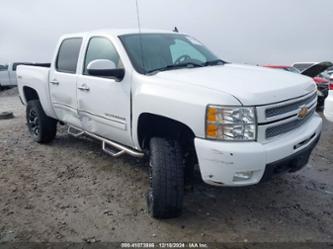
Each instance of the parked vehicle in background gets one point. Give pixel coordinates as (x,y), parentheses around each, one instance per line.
(329,72)
(323,88)
(328,112)
(301,66)
(286,68)
(8,74)
(165,96)
(314,72)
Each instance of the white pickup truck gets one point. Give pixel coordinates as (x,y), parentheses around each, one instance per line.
(166,96)
(7,76)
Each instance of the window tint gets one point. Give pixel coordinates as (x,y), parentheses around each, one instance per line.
(152,51)
(3,67)
(17,64)
(101,48)
(180,48)
(68,55)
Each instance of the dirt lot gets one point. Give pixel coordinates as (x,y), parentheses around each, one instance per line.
(71,191)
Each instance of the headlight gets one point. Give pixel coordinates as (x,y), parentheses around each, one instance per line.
(231,123)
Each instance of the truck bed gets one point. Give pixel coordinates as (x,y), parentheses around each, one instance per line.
(36,78)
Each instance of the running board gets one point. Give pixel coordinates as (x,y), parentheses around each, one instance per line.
(111,148)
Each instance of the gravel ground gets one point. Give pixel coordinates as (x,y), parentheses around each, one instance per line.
(71,191)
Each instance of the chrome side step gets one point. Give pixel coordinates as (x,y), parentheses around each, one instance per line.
(74,131)
(117,149)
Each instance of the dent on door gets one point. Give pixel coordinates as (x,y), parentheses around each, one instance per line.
(104,109)
(94,122)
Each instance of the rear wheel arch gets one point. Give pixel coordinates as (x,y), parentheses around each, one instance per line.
(42,128)
(30,94)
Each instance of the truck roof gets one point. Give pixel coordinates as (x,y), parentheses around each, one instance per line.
(118,32)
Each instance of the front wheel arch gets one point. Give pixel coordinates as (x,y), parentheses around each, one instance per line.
(153,125)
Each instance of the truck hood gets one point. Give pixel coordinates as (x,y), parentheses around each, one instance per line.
(251,85)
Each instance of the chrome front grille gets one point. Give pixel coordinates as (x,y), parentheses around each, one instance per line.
(283,117)
(279,110)
(288,126)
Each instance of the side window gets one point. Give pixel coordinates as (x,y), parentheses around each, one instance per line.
(180,48)
(3,67)
(68,55)
(14,67)
(101,48)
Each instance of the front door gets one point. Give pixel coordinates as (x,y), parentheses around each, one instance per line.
(63,79)
(103,102)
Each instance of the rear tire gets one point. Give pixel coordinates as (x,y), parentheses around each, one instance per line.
(42,128)
(165,198)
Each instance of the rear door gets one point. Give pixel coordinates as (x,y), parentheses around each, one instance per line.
(104,103)
(63,79)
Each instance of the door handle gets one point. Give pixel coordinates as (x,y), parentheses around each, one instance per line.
(84,87)
(54,82)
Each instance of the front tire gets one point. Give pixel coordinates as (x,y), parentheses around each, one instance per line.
(165,198)
(42,128)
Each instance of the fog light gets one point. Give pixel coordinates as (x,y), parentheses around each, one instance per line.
(242,176)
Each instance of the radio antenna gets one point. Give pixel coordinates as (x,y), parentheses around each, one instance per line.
(140,34)
(138,14)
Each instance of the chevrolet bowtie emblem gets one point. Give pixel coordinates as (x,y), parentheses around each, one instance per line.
(303,112)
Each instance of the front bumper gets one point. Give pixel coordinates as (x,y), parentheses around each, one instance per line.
(220,162)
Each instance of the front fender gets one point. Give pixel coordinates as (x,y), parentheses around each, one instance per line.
(182,102)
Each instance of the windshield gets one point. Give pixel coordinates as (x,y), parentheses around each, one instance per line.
(157,52)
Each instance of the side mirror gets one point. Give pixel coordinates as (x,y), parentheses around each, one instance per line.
(105,68)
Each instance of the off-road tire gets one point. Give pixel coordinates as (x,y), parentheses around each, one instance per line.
(42,128)
(165,197)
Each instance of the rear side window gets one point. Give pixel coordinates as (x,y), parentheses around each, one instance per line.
(17,64)
(68,55)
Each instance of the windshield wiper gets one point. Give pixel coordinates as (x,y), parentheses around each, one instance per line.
(214,62)
(175,66)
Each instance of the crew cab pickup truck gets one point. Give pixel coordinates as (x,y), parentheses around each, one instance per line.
(165,96)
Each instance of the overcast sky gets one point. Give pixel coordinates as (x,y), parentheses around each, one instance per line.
(256,31)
